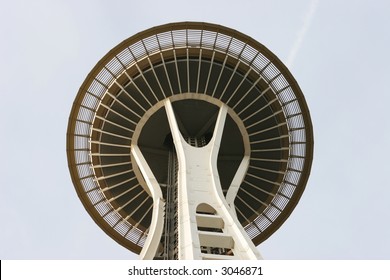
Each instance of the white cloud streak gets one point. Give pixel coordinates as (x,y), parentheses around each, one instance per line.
(307,21)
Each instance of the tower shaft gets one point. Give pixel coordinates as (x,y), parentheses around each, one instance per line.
(207,227)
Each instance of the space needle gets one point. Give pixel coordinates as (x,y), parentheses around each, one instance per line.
(190,140)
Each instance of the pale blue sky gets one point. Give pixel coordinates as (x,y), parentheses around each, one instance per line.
(337,50)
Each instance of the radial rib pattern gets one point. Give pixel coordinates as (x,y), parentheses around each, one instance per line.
(136,76)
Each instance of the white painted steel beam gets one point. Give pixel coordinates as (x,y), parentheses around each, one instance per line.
(236,182)
(156,226)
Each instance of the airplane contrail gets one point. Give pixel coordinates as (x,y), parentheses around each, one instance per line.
(302,33)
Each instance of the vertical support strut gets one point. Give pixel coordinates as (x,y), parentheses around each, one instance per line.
(207,227)
(156,226)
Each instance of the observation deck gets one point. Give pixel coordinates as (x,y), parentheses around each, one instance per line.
(199,67)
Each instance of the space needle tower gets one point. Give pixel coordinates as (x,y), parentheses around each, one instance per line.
(190,141)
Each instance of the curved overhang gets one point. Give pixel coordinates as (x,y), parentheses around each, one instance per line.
(199,66)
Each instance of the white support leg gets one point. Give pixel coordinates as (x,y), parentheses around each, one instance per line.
(236,182)
(199,184)
(157,224)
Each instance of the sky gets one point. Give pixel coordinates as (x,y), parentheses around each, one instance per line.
(338,51)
